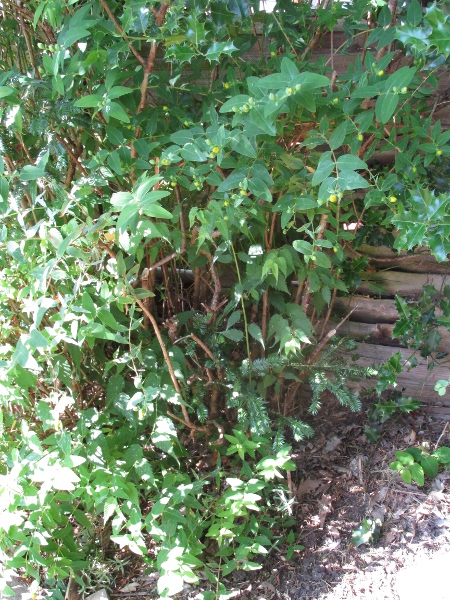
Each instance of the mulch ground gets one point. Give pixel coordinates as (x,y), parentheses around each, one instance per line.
(341,479)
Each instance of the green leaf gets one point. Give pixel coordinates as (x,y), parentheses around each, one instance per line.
(72,35)
(260,120)
(118,91)
(155,210)
(259,189)
(113,109)
(233,334)
(37,340)
(241,144)
(338,136)
(350,180)
(405,458)
(303,247)
(305,203)
(23,357)
(324,168)
(88,304)
(82,519)
(322,260)
(195,31)
(180,53)
(31,173)
(185,136)
(443,455)
(256,333)
(218,48)
(406,475)
(349,161)
(6,90)
(192,152)
(234,318)
(414,13)
(114,162)
(430,466)
(417,474)
(385,106)
(92,101)
(109,508)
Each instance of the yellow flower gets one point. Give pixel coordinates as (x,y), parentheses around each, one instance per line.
(380,73)
(216,150)
(226,203)
(360,137)
(439,152)
(243,192)
(392,199)
(226,85)
(333,198)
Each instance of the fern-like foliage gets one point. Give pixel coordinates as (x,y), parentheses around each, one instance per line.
(279,440)
(332,372)
(300,430)
(263,366)
(257,413)
(322,381)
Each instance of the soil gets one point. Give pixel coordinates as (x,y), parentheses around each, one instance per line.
(341,479)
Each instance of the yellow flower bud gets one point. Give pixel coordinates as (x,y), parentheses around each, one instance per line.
(392,199)
(333,198)
(380,73)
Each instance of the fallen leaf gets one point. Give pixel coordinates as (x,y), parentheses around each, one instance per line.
(324,508)
(130,587)
(332,444)
(308,486)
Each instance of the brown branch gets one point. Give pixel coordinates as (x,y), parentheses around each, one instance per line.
(162,345)
(71,154)
(25,149)
(217,284)
(30,48)
(311,359)
(122,33)
(149,65)
(318,349)
(315,39)
(330,308)
(322,226)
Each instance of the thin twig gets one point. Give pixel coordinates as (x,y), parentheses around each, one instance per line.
(162,345)
(122,33)
(436,446)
